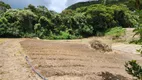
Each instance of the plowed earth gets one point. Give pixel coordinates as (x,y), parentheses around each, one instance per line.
(63,60)
(68,60)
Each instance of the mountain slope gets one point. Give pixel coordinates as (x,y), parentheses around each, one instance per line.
(82,4)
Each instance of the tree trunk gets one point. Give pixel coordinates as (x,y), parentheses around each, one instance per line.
(137,4)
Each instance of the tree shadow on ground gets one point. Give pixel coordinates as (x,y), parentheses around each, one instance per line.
(110,76)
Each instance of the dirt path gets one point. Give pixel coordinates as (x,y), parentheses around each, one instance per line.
(12,63)
(127,48)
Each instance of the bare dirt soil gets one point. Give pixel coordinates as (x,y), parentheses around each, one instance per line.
(62,60)
(75,60)
(12,63)
(127,48)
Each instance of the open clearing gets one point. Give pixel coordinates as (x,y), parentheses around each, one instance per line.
(62,60)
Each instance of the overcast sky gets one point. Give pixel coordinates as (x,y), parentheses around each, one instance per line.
(56,5)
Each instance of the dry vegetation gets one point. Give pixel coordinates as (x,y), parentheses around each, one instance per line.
(2,40)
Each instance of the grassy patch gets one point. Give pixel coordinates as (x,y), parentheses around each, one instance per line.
(115,32)
(2,40)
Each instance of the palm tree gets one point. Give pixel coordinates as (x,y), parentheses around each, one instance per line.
(138,31)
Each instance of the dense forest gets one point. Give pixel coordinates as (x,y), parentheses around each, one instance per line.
(84,19)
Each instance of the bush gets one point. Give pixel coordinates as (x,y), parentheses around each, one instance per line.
(140,50)
(134,69)
(62,35)
(115,32)
(85,21)
(139,42)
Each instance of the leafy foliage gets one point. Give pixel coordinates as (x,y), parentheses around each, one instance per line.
(134,69)
(138,31)
(83,4)
(4,6)
(83,20)
(17,22)
(140,50)
(115,32)
(102,17)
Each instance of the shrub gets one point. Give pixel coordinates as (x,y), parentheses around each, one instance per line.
(138,31)
(140,51)
(115,32)
(139,42)
(62,35)
(134,69)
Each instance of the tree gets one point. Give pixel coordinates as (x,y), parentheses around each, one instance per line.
(19,21)
(3,7)
(137,4)
(84,19)
(43,27)
(27,20)
(43,11)
(9,26)
(138,31)
(32,8)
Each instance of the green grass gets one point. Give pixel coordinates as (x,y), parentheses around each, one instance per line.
(115,32)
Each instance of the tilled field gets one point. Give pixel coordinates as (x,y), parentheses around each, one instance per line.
(12,63)
(61,60)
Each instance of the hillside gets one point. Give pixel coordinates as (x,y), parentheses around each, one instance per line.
(82,4)
(91,18)
(88,3)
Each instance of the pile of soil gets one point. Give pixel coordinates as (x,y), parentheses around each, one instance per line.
(98,45)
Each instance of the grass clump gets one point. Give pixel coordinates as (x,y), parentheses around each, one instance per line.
(115,32)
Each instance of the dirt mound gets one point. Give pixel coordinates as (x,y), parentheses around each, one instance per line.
(98,45)
(110,76)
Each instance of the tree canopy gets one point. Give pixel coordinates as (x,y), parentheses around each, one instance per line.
(83,19)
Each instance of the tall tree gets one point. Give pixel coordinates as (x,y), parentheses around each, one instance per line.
(137,4)
(4,6)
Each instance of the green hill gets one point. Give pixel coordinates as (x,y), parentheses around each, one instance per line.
(82,4)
